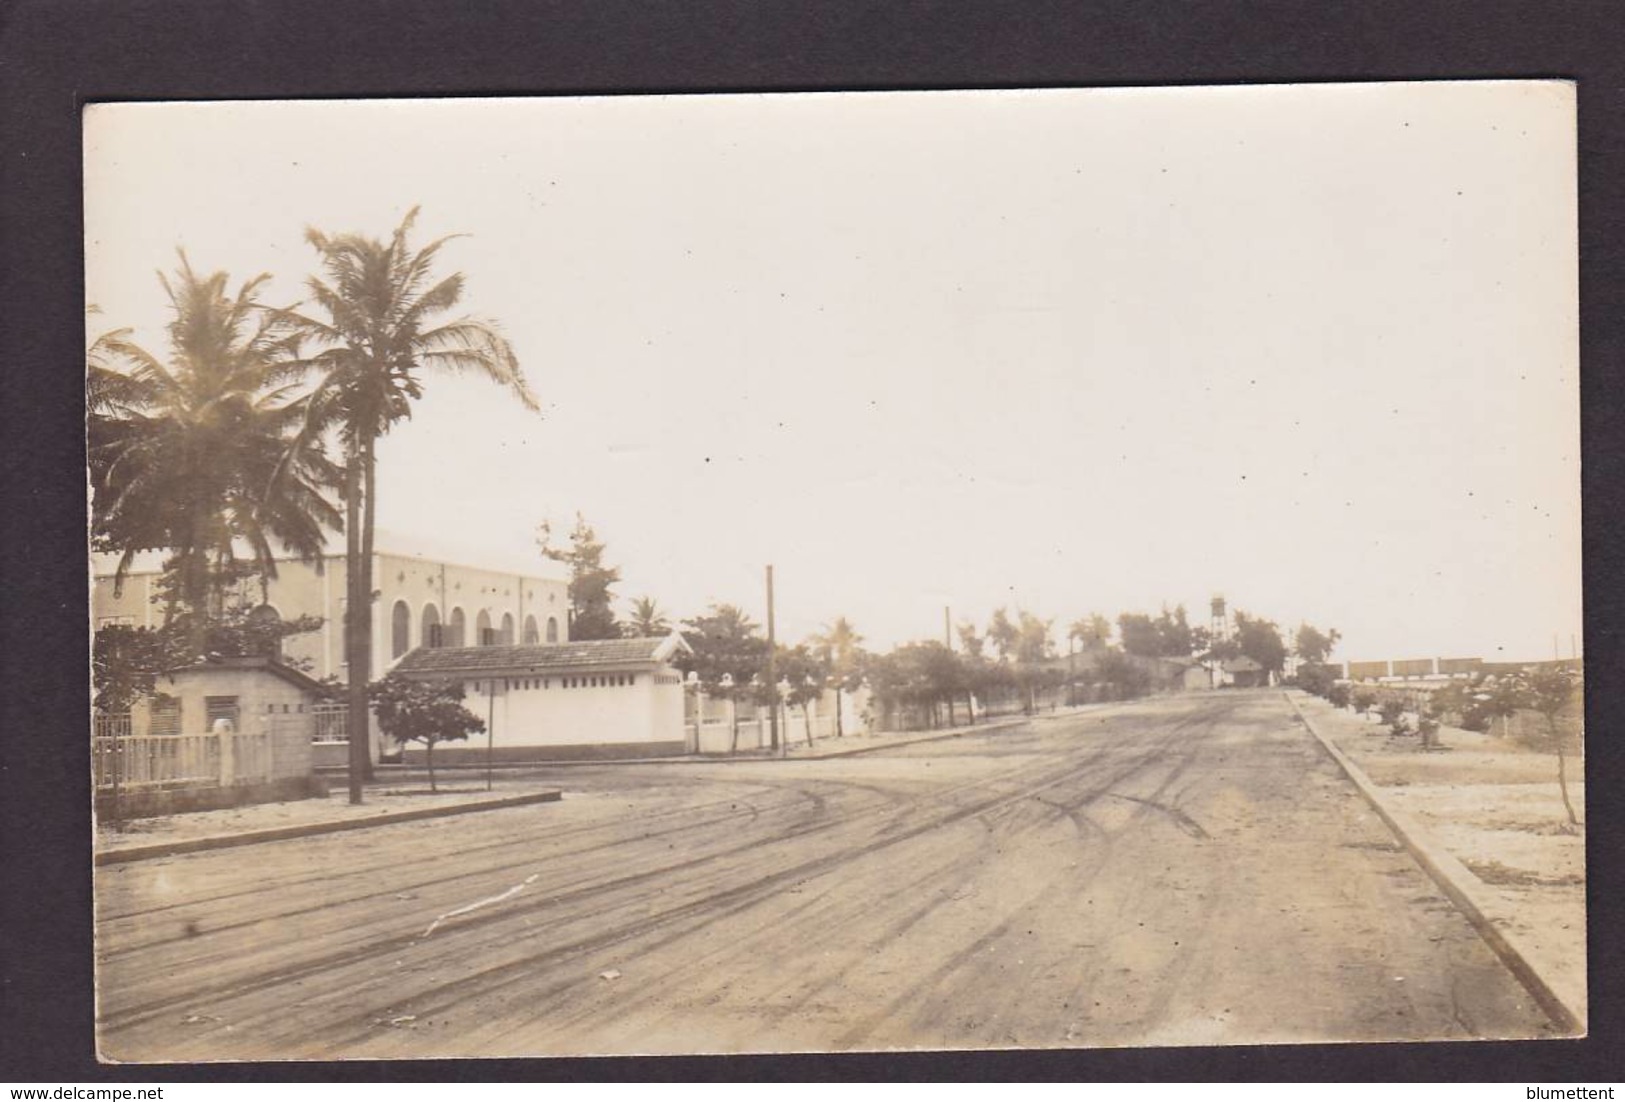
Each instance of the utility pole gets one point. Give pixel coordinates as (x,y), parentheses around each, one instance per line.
(772,668)
(947,628)
(490,726)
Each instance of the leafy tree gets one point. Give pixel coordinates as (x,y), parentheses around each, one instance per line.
(1260,640)
(1167,636)
(725,643)
(1392,711)
(1090,632)
(1314,646)
(590,614)
(1003,634)
(840,648)
(972,644)
(1364,701)
(920,676)
(382,330)
(204,453)
(1318,679)
(1138,633)
(1557,693)
(1338,694)
(646,620)
(1120,677)
(429,712)
(729,656)
(1033,647)
(127,661)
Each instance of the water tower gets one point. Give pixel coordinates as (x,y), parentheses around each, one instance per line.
(1219,620)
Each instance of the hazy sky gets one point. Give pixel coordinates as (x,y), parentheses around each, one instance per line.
(1313,348)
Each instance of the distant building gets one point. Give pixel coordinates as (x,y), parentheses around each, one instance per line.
(426,597)
(1243,673)
(592,699)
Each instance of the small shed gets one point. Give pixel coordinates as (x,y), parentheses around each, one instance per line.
(1243,673)
(600,698)
(252,692)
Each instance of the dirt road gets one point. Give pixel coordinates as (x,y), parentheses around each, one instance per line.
(1178,871)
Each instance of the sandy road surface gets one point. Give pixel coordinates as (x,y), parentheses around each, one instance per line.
(1179,871)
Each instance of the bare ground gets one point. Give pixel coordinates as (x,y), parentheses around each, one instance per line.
(1185,871)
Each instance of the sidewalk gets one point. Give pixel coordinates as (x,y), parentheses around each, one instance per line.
(386,802)
(1484,818)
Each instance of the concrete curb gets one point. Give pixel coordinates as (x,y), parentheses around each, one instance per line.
(1457,883)
(305,830)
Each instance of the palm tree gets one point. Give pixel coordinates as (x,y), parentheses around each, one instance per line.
(647,620)
(381,299)
(839,648)
(203,453)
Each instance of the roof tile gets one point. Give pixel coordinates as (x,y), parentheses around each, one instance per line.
(533,657)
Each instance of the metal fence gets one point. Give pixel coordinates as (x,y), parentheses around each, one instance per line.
(331,722)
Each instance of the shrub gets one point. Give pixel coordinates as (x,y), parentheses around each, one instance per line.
(1338,695)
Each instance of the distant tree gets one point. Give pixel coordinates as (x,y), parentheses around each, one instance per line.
(1091,632)
(423,711)
(1003,634)
(1315,678)
(591,616)
(1169,635)
(1260,640)
(729,656)
(1337,694)
(1495,698)
(1364,701)
(840,648)
(1033,647)
(1557,693)
(1120,677)
(646,620)
(1138,634)
(970,643)
(918,676)
(1313,645)
(1391,709)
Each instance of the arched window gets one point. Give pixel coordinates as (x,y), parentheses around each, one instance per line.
(482,629)
(433,635)
(506,638)
(400,630)
(455,635)
(531,634)
(552,629)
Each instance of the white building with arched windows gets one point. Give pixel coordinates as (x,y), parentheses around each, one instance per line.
(426,596)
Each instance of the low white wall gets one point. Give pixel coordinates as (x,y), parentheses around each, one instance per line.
(542,712)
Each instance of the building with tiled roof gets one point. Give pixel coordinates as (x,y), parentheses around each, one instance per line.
(588,698)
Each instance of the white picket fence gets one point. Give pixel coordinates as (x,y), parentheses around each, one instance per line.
(279,750)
